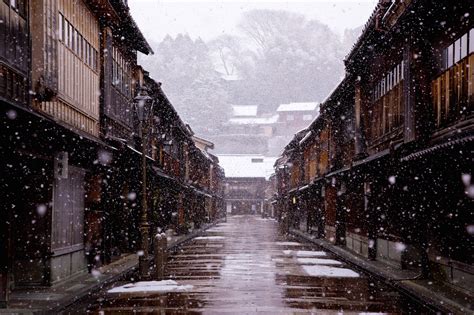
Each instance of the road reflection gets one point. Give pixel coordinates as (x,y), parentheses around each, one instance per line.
(244,267)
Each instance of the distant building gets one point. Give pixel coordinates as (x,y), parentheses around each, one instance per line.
(246,181)
(250,132)
(246,132)
(295,116)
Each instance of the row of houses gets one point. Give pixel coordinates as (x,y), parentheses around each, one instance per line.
(83,127)
(386,168)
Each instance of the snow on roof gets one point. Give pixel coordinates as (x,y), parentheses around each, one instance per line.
(297,107)
(245,110)
(254,120)
(252,165)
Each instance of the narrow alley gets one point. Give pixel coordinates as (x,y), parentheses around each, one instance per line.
(243,266)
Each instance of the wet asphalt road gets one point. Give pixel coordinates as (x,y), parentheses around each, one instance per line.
(244,267)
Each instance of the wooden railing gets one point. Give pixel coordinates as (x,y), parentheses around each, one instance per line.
(453,93)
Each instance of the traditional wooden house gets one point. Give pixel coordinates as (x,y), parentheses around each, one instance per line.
(216,175)
(65,85)
(245,182)
(412,92)
(392,146)
(15,116)
(115,213)
(68,79)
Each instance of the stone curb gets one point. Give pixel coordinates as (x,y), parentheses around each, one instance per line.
(407,287)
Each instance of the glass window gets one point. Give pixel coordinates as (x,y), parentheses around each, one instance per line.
(89,54)
(60,29)
(70,35)
(307,117)
(402,70)
(84,48)
(444,59)
(457,50)
(86,51)
(290,117)
(395,75)
(464,47)
(79,45)
(450,56)
(66,32)
(471,40)
(73,39)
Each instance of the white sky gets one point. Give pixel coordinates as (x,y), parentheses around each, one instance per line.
(207,19)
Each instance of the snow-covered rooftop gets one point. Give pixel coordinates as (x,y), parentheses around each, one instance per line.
(245,110)
(252,165)
(254,120)
(297,107)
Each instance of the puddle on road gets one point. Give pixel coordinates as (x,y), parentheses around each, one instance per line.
(253,270)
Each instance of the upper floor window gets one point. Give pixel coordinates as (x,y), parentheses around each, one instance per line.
(75,41)
(389,81)
(387,108)
(458,50)
(121,73)
(307,117)
(19,6)
(471,41)
(290,117)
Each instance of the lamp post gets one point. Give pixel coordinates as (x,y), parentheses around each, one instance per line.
(144,108)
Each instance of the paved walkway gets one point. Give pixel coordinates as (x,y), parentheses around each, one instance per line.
(244,267)
(441,295)
(51,300)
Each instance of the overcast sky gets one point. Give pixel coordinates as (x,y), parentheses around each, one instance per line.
(207,19)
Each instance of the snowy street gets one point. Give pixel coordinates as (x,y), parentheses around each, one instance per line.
(244,267)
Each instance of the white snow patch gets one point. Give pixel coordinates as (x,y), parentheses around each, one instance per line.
(318,261)
(287,252)
(265,219)
(310,253)
(288,243)
(151,286)
(327,271)
(209,238)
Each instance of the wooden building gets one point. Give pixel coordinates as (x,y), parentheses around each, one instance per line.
(14,85)
(385,170)
(70,141)
(245,182)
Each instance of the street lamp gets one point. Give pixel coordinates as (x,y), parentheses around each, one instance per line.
(143,104)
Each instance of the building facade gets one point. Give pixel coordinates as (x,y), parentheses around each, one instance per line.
(71,146)
(385,170)
(246,180)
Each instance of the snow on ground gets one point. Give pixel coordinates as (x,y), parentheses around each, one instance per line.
(310,253)
(288,243)
(209,238)
(151,286)
(327,271)
(265,219)
(318,261)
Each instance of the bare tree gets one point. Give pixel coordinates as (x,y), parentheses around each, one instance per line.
(229,50)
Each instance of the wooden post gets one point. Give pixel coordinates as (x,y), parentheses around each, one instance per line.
(161,244)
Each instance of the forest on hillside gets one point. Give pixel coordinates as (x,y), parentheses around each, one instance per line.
(277,57)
